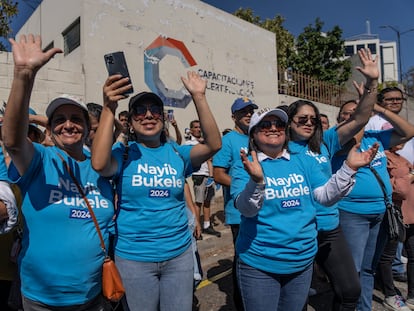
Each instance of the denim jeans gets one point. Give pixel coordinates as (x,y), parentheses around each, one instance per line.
(361,232)
(153,286)
(263,291)
(96,304)
(335,258)
(397,265)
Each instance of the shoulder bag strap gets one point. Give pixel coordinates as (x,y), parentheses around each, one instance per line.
(86,202)
(381,182)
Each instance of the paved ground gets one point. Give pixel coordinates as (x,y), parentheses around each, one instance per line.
(215,291)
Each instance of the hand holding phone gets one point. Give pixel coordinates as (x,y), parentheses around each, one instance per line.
(116,64)
(170,115)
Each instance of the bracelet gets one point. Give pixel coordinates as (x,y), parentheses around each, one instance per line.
(370,90)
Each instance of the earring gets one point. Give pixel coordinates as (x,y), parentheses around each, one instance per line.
(131,130)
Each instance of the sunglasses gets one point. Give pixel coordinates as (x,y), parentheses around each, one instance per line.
(140,111)
(266,125)
(303,120)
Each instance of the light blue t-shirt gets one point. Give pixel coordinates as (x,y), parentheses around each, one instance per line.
(3,167)
(367,197)
(61,257)
(152,223)
(327,218)
(226,158)
(281,238)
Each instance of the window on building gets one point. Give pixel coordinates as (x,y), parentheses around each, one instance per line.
(360,46)
(373,48)
(349,50)
(71,37)
(51,45)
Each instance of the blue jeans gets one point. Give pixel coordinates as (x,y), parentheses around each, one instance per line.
(361,232)
(264,291)
(397,265)
(96,304)
(153,286)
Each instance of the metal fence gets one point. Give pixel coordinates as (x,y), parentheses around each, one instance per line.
(307,87)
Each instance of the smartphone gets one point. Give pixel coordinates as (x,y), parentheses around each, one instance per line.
(116,64)
(170,115)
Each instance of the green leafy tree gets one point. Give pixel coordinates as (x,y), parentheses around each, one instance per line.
(321,54)
(284,39)
(409,82)
(8,9)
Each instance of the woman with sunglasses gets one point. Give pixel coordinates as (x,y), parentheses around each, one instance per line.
(306,136)
(275,195)
(153,244)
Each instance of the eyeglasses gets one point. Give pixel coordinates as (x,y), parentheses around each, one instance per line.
(394,99)
(303,120)
(266,125)
(140,111)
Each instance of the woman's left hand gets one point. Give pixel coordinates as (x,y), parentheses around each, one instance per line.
(356,159)
(194,83)
(252,167)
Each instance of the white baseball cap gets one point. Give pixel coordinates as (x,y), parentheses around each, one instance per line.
(261,113)
(64,99)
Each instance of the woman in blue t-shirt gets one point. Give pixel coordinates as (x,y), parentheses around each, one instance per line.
(61,259)
(275,195)
(153,244)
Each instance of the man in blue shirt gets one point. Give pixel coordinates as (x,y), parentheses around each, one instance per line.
(224,166)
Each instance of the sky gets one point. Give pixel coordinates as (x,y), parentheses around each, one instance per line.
(350,15)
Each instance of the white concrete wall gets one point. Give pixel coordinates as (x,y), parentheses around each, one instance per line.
(218,41)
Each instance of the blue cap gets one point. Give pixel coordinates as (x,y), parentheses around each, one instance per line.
(241,103)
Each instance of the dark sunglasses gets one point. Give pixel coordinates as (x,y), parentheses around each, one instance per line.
(267,125)
(304,119)
(140,111)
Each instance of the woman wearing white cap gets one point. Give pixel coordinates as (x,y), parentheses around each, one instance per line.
(61,259)
(277,238)
(153,245)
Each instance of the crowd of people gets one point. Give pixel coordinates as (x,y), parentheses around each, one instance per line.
(295,196)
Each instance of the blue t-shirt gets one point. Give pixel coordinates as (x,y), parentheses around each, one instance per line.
(226,158)
(152,223)
(367,197)
(281,238)
(327,218)
(3,167)
(61,257)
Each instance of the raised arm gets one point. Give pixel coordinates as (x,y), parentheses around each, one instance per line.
(403,130)
(178,136)
(28,59)
(368,97)
(102,160)
(212,139)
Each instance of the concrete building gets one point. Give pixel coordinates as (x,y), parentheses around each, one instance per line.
(162,40)
(385,50)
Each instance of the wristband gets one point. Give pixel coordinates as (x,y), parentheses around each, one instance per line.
(370,90)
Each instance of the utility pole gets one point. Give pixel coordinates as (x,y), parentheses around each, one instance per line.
(399,34)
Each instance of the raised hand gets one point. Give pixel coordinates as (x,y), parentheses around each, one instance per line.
(359,87)
(194,83)
(252,167)
(356,159)
(113,90)
(28,55)
(369,66)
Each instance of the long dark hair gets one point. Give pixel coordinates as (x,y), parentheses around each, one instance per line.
(314,143)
